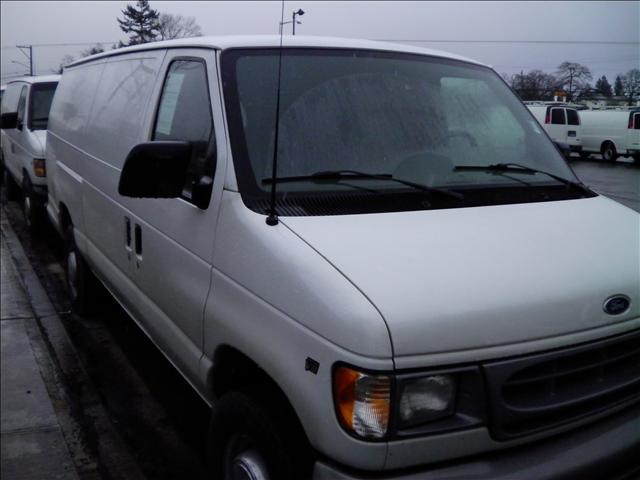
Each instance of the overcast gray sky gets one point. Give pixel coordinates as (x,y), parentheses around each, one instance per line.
(604,35)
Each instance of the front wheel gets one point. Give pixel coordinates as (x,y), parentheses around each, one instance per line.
(251,438)
(10,186)
(32,208)
(608,151)
(81,284)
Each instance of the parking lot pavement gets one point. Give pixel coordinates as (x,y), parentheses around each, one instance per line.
(33,446)
(619,181)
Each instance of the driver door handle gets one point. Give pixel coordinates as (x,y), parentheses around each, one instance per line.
(137,240)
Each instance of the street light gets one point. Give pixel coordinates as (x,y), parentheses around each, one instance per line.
(298,12)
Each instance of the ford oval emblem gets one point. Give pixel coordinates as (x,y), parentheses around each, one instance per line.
(616,304)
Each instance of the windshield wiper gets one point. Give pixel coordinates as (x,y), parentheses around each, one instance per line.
(329,175)
(517,167)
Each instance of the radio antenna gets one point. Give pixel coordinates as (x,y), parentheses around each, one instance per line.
(272,218)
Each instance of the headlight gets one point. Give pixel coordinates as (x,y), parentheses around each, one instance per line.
(426,399)
(362,401)
(39,167)
(390,406)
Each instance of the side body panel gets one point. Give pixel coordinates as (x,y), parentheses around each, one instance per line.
(600,126)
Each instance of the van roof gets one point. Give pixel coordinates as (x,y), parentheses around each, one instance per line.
(256,41)
(36,79)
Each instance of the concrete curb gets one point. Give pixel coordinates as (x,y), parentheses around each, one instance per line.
(84,421)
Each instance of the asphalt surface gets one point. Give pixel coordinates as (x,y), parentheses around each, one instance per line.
(160,419)
(619,181)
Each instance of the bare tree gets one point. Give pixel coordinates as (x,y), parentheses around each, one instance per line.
(631,85)
(97,48)
(172,26)
(534,85)
(573,77)
(66,60)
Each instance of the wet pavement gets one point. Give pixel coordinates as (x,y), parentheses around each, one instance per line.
(619,181)
(126,412)
(33,446)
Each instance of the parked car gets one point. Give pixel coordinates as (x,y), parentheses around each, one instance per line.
(25,112)
(561,123)
(371,259)
(611,133)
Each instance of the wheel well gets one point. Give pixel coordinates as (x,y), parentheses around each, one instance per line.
(603,144)
(65,218)
(234,370)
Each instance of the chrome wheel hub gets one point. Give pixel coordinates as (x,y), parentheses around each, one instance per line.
(27,210)
(249,465)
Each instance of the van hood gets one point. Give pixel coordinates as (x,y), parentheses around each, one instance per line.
(474,278)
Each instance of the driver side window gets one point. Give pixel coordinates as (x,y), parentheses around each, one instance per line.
(185,114)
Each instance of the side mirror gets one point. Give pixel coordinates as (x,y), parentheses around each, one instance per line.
(564,149)
(155,170)
(201,192)
(9,120)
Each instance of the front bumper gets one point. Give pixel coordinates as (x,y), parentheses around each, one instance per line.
(606,449)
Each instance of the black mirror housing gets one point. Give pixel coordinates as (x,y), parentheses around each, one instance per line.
(9,120)
(201,192)
(155,170)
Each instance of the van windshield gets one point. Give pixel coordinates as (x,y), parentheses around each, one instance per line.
(40,104)
(411,117)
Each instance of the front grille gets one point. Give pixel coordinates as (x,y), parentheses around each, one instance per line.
(539,392)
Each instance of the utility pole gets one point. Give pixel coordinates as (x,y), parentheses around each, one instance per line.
(30,57)
(521,83)
(571,70)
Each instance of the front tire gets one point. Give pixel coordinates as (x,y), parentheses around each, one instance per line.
(32,208)
(252,438)
(10,186)
(81,284)
(609,153)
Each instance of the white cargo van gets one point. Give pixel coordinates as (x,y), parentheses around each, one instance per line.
(25,111)
(561,123)
(612,133)
(371,261)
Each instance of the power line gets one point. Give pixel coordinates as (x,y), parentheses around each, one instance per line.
(576,42)
(78,44)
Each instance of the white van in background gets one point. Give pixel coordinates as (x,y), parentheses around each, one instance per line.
(561,123)
(612,133)
(25,112)
(402,297)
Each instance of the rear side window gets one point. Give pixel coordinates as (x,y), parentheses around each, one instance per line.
(636,121)
(557,116)
(184,113)
(572,117)
(40,104)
